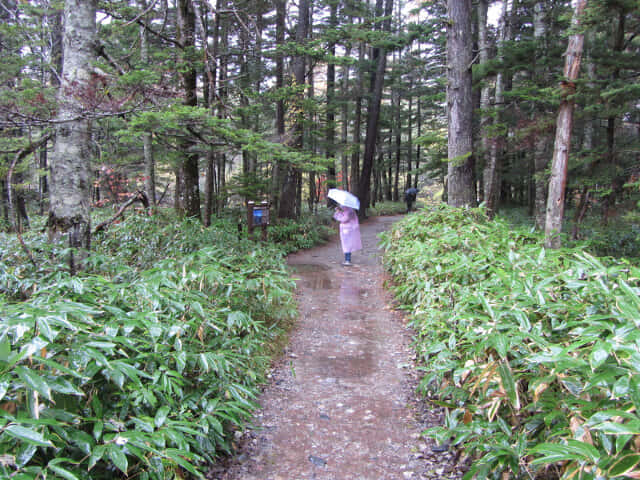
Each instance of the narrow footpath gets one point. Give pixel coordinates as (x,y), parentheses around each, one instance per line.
(341,404)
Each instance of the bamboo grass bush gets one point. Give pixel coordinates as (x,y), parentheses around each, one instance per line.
(535,354)
(144,365)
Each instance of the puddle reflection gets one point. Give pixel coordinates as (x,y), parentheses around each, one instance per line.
(314,276)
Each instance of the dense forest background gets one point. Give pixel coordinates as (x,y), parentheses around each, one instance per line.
(129,349)
(202,105)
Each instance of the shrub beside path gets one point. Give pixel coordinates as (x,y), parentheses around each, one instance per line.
(341,403)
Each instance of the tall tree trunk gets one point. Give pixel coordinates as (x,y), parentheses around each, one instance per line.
(69,210)
(189,171)
(492,165)
(291,179)
(558,181)
(278,167)
(147,145)
(485,93)
(344,122)
(373,116)
(418,151)
(357,122)
(245,85)
(57,31)
(57,54)
(397,107)
(223,68)
(616,181)
(210,58)
(390,170)
(410,138)
(331,88)
(461,181)
(541,140)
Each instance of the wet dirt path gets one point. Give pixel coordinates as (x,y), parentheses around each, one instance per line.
(341,403)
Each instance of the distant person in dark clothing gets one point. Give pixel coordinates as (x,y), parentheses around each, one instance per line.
(410,197)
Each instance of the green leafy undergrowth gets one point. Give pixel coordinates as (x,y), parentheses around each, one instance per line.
(389,208)
(291,235)
(534,354)
(145,364)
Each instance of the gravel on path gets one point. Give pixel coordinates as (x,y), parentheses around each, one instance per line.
(341,402)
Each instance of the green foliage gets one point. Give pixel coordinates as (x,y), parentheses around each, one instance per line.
(145,364)
(293,235)
(388,208)
(620,238)
(534,353)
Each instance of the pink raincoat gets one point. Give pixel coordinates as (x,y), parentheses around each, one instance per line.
(349,229)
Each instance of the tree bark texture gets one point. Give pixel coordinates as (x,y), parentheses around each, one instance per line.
(617,181)
(69,210)
(210,99)
(541,140)
(357,123)
(291,177)
(331,88)
(189,171)
(461,181)
(345,123)
(485,93)
(373,117)
(278,166)
(495,152)
(147,144)
(398,142)
(559,166)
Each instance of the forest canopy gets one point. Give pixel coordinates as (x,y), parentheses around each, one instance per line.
(201,103)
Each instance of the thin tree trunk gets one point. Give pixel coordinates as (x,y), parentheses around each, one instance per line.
(373,116)
(43,183)
(331,88)
(189,171)
(418,151)
(291,179)
(616,181)
(558,181)
(541,140)
(410,138)
(147,145)
(244,84)
(485,91)
(211,73)
(492,166)
(580,212)
(357,122)
(277,181)
(344,122)
(390,170)
(17,204)
(398,146)
(461,181)
(221,158)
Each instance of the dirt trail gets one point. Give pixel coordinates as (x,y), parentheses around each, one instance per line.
(341,403)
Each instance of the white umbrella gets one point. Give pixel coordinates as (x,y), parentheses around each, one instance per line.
(344,198)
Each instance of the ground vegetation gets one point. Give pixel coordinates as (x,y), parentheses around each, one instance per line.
(149,360)
(532,352)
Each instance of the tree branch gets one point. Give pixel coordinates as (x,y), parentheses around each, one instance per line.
(139,196)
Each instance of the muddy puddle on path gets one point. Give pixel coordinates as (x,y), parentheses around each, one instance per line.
(341,402)
(315,276)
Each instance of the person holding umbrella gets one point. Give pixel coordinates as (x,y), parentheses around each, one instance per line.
(349,225)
